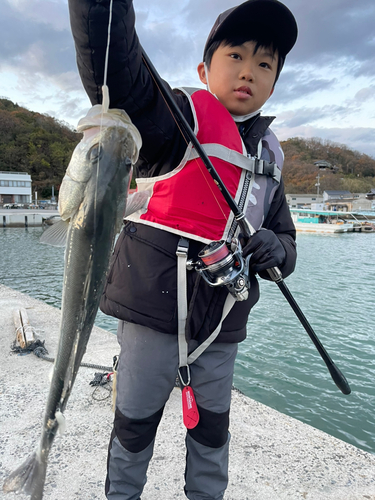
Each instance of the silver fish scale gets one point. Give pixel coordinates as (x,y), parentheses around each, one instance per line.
(77,175)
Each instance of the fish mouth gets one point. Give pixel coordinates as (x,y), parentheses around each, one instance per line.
(244,90)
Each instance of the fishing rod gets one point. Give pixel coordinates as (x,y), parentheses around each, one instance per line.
(246,229)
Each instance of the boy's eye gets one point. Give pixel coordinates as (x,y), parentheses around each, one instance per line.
(235,56)
(265,65)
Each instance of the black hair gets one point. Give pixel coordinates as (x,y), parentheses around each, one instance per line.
(236,41)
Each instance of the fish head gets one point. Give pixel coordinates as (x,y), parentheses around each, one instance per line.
(111,160)
(108,139)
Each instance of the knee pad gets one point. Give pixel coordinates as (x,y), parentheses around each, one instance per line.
(212,428)
(136,434)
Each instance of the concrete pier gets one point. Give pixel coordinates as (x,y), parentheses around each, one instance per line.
(24,218)
(273,456)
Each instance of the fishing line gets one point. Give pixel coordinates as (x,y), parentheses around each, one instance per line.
(105,101)
(105,90)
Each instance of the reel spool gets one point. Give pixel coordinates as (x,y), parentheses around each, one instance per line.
(221,265)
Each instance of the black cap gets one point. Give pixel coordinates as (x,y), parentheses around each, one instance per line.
(263,20)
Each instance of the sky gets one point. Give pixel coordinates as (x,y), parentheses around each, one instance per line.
(326,89)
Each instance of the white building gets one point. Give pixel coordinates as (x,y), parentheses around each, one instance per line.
(15,187)
(303,200)
(341,201)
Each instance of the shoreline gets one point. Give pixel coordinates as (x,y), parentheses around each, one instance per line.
(272,457)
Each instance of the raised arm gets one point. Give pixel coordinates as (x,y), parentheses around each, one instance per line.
(130,86)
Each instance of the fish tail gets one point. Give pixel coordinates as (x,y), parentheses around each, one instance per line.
(28,478)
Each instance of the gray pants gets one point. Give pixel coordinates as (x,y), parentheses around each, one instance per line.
(146,375)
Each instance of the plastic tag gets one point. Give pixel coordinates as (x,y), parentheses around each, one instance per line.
(189,408)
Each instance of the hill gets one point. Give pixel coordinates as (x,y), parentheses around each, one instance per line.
(42,146)
(354,171)
(35,143)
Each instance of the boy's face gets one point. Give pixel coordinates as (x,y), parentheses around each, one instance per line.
(241,80)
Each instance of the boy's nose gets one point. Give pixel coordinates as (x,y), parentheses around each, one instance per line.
(247,74)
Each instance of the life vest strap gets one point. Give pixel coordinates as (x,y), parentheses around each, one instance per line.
(182,252)
(252,164)
(184,359)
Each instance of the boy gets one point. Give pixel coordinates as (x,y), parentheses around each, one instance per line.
(243,57)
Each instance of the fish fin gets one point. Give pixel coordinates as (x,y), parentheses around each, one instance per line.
(56,234)
(29,478)
(136,201)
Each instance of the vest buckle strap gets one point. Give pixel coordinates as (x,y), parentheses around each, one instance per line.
(182,247)
(264,167)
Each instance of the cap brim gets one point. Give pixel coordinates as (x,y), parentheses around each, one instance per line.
(261,20)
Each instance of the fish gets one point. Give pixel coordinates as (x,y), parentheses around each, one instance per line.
(92,202)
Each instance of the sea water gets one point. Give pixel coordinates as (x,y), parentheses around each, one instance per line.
(278,365)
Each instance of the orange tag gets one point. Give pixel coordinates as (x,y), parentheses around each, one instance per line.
(189,408)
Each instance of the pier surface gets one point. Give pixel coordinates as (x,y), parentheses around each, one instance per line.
(272,457)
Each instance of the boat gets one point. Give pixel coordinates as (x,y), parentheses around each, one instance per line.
(363,227)
(362,221)
(316,221)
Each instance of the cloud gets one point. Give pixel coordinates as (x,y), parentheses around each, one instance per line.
(365,94)
(297,82)
(50,12)
(31,42)
(307,116)
(333,30)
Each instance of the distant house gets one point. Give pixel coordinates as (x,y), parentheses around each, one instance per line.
(302,200)
(341,201)
(15,187)
(362,203)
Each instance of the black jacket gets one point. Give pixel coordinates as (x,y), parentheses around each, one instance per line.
(142,281)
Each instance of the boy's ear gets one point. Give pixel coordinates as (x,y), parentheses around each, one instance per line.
(202,73)
(273,88)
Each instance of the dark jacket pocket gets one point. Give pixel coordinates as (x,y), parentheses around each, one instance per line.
(142,281)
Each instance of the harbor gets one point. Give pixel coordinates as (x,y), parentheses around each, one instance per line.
(273,456)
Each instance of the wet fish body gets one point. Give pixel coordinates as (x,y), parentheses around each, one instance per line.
(94,206)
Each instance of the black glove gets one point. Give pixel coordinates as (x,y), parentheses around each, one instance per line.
(266,250)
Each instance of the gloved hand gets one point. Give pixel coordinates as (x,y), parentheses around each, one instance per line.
(266,250)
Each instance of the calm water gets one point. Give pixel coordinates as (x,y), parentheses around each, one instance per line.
(334,284)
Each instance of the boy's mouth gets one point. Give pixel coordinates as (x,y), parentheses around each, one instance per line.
(244,90)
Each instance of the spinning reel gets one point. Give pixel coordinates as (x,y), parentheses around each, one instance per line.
(222,264)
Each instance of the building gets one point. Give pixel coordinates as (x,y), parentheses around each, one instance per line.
(303,200)
(362,202)
(340,201)
(15,187)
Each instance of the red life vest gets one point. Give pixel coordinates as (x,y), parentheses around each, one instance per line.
(187,200)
